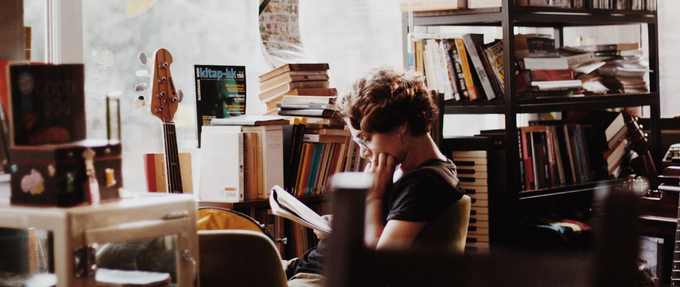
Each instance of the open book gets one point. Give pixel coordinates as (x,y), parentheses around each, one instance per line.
(286,205)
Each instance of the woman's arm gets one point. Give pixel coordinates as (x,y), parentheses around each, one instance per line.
(394,234)
(399,234)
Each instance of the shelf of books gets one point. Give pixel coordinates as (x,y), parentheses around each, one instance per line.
(586,146)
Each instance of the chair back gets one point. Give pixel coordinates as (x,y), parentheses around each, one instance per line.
(213,218)
(448,231)
(239,258)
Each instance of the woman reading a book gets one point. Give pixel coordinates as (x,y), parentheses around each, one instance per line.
(390,114)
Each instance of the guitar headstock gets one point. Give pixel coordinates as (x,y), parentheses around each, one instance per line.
(164,97)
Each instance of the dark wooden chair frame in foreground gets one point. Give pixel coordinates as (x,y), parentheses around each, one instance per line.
(612,264)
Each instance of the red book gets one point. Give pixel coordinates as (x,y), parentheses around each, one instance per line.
(552,75)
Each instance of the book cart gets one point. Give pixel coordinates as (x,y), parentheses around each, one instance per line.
(507,204)
(75,232)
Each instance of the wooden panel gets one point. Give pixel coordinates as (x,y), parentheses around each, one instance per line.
(12,30)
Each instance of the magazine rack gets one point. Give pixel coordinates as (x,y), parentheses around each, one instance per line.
(76,231)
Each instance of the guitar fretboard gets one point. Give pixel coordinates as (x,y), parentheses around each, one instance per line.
(675,274)
(173,174)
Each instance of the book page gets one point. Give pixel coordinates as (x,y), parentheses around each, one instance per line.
(286,205)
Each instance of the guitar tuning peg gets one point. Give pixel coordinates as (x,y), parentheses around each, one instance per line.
(180,95)
(141,87)
(139,102)
(646,135)
(142,58)
(142,73)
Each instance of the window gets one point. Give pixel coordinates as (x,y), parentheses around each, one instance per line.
(350,35)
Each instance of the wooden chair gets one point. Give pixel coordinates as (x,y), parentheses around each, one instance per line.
(239,258)
(235,250)
(351,264)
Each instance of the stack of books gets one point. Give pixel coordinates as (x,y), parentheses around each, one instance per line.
(294,79)
(548,73)
(617,145)
(616,68)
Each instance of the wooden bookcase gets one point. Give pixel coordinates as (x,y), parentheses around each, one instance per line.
(506,205)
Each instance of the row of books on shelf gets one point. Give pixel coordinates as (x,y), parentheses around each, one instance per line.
(462,67)
(244,158)
(316,153)
(559,153)
(583,147)
(438,5)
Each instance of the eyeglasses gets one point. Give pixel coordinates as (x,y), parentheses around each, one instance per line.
(361,142)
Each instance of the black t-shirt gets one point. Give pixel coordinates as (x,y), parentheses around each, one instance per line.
(419,195)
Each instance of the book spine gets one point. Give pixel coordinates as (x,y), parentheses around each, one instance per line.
(578,155)
(312,169)
(446,47)
(272,153)
(552,75)
(472,44)
(534,43)
(546,153)
(419,57)
(443,71)
(473,92)
(522,179)
(528,163)
(458,70)
(537,159)
(494,56)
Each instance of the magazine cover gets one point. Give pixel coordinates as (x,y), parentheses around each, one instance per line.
(220,93)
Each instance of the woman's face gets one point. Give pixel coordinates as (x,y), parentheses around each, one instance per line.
(372,144)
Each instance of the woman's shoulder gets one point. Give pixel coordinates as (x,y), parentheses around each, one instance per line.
(433,171)
(436,166)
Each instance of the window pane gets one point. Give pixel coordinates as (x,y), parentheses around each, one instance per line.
(34,17)
(349,35)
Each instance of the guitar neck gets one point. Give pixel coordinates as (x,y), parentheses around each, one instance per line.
(675,274)
(172,168)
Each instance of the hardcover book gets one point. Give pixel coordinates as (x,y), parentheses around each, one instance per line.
(220,93)
(293,76)
(288,87)
(47,104)
(222,167)
(294,67)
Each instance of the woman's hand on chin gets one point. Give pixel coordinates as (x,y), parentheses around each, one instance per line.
(382,168)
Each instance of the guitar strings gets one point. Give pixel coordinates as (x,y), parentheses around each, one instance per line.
(174,180)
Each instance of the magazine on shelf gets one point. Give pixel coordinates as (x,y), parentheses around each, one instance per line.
(286,205)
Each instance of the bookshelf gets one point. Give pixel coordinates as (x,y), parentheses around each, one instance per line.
(506,205)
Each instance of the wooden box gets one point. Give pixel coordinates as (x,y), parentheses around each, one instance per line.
(56,174)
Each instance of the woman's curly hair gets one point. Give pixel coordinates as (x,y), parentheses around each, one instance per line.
(385,98)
